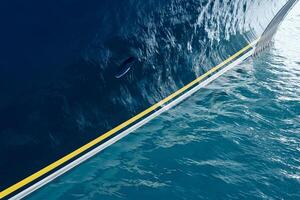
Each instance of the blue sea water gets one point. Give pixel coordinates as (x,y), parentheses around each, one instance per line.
(239,138)
(59,60)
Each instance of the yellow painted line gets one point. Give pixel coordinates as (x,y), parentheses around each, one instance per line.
(96,141)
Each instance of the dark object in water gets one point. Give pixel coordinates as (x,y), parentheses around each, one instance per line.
(125,67)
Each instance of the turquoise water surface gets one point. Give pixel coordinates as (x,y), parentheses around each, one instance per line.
(238,138)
